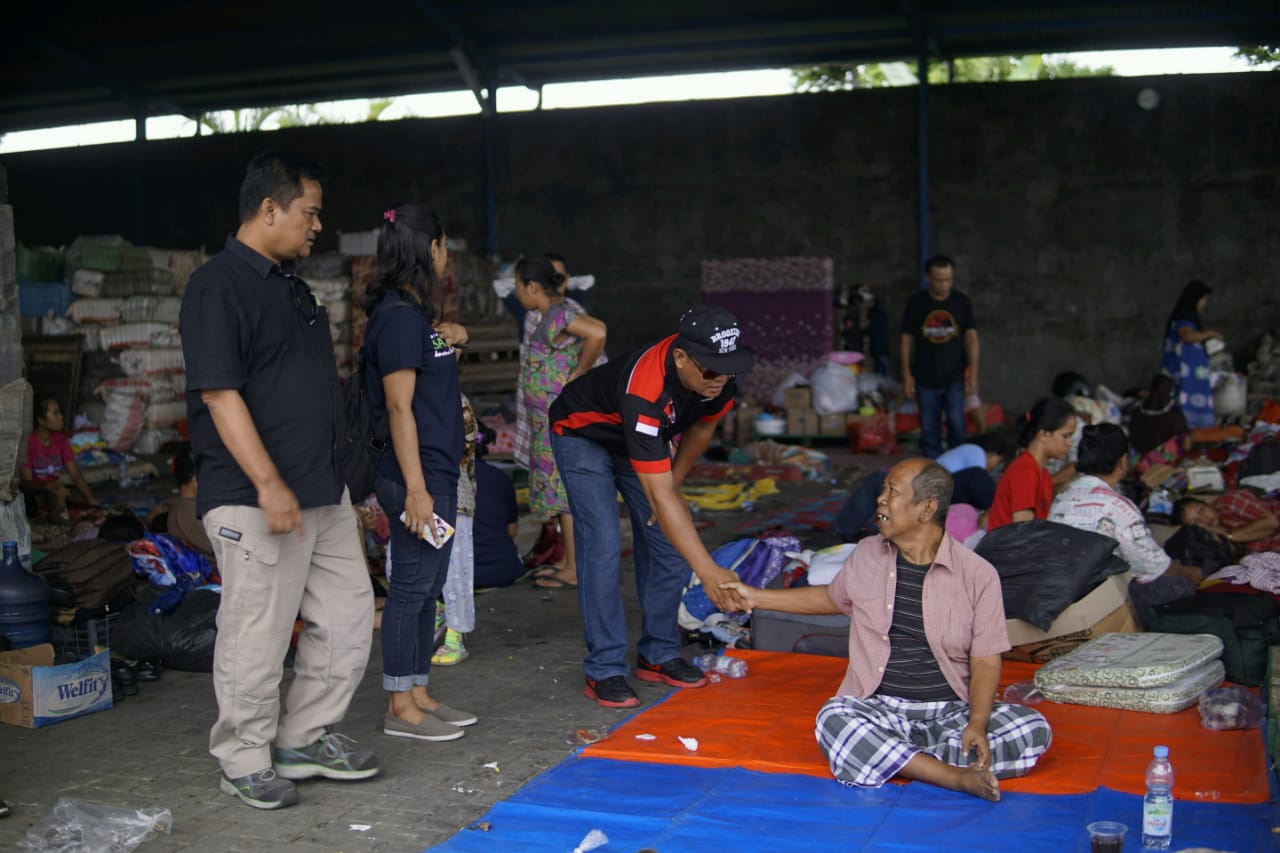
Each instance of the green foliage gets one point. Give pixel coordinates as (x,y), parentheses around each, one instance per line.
(1267,55)
(981,69)
(270,118)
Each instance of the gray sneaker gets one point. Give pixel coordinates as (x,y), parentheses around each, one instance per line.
(262,790)
(333,756)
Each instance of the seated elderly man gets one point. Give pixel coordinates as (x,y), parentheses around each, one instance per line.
(1091,502)
(926,632)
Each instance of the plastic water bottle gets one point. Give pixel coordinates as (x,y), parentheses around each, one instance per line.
(24,602)
(1157,805)
(732,667)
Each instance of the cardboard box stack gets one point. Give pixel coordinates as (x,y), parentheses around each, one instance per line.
(1105,610)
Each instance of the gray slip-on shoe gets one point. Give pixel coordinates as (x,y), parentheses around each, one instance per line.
(453,716)
(431,728)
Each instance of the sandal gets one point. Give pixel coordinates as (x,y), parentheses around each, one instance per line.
(552,582)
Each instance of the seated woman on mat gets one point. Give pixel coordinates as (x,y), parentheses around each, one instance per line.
(1239,516)
(1092,503)
(902,710)
(1026,489)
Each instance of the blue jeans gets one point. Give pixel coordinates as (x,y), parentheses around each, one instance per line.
(934,402)
(418,572)
(593,477)
(860,509)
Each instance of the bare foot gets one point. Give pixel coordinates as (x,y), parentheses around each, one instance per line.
(422,699)
(980,783)
(404,708)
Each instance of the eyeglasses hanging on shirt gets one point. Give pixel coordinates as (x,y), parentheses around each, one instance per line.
(303,299)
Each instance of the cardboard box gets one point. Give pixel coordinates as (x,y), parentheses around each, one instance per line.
(802,422)
(35,693)
(837,424)
(797,397)
(745,423)
(1106,610)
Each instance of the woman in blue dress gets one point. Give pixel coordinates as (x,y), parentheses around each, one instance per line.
(1185,358)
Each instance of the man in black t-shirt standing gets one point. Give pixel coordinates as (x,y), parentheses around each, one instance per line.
(939,330)
(264,406)
(611,432)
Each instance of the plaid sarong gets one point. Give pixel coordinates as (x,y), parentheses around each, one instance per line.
(869,741)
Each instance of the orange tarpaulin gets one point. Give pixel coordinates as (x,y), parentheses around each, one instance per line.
(764,722)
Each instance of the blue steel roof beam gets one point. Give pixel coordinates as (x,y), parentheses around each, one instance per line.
(480,59)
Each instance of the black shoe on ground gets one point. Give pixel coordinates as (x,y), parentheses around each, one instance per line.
(4,809)
(123,681)
(262,790)
(677,672)
(612,692)
(147,669)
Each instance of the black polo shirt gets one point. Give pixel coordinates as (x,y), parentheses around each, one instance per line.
(246,325)
(635,406)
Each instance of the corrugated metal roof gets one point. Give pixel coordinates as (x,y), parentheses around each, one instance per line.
(79,61)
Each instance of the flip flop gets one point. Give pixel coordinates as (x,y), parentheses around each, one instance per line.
(544,572)
(551,582)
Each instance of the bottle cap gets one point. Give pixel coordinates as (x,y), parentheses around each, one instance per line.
(1162,752)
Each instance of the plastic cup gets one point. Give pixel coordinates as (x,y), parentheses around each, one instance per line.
(1106,836)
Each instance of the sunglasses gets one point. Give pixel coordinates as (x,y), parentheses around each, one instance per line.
(303,299)
(707,373)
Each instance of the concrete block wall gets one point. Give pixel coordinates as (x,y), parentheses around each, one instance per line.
(1074,215)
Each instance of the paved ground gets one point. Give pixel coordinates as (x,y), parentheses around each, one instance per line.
(523,679)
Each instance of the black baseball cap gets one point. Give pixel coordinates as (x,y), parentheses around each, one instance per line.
(710,334)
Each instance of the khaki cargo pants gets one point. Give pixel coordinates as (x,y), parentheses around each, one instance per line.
(267,581)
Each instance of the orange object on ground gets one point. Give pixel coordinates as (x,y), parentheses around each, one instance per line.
(765,722)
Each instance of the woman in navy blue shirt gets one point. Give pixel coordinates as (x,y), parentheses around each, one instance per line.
(411,378)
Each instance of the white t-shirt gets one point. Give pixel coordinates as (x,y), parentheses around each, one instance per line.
(1090,504)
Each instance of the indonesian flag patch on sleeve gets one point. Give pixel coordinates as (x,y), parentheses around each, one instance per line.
(647,425)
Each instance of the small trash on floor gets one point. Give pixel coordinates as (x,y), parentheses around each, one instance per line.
(690,743)
(582,737)
(493,765)
(483,826)
(646,737)
(595,838)
(76,825)
(360,827)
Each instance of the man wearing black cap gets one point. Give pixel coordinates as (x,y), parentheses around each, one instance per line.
(611,433)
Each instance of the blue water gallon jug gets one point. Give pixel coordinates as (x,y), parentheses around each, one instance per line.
(24,602)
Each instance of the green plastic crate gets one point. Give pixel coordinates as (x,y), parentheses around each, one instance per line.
(39,264)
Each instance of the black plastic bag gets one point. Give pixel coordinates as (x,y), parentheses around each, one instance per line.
(1045,567)
(182,640)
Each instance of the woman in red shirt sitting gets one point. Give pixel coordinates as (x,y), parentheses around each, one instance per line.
(1026,489)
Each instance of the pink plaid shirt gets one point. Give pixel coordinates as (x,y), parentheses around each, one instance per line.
(962,605)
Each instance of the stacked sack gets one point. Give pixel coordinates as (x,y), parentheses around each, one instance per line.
(1156,673)
(128,310)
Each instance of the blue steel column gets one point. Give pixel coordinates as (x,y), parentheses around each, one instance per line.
(922,155)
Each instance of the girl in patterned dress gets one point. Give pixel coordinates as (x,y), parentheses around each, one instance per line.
(564,345)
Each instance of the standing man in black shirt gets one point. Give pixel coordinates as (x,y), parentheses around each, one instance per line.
(939,329)
(264,408)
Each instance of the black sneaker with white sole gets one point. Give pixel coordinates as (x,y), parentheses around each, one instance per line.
(612,692)
(677,672)
(262,790)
